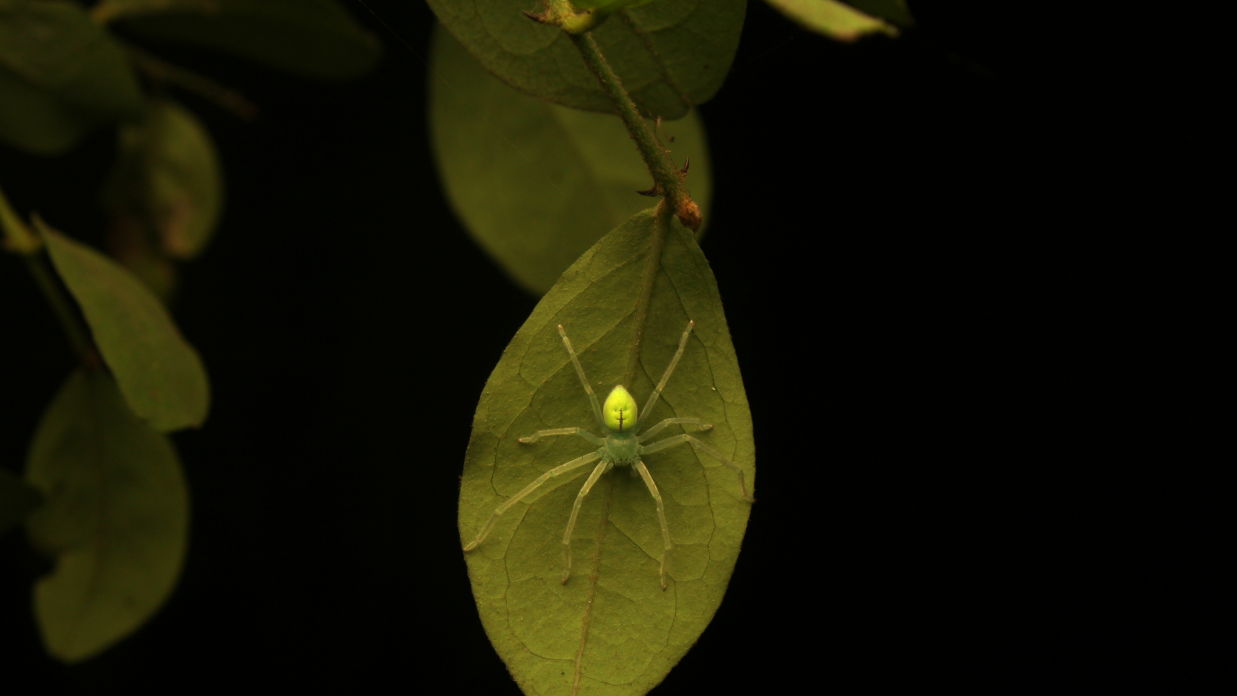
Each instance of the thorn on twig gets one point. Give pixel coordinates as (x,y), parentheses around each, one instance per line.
(687,163)
(653,190)
(538,17)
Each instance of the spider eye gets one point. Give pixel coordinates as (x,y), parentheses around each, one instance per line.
(619,410)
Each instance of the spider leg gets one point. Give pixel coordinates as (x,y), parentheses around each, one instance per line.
(667,545)
(600,469)
(529,439)
(592,397)
(506,505)
(648,407)
(675,440)
(673,421)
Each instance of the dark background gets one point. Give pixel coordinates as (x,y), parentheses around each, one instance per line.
(919,334)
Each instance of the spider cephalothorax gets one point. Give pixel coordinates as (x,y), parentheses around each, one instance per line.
(620,444)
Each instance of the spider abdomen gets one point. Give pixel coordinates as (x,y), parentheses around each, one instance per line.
(619,411)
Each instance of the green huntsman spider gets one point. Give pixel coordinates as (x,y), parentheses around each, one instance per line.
(620,446)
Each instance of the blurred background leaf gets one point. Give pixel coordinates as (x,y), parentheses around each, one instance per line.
(172,178)
(159,373)
(61,76)
(17,500)
(834,19)
(536,184)
(312,38)
(164,194)
(116,519)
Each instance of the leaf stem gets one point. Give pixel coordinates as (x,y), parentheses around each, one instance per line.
(64,309)
(667,178)
(161,70)
(19,239)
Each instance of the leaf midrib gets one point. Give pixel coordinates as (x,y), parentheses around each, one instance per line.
(661,220)
(594,578)
(661,225)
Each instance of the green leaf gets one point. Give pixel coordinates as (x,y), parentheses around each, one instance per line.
(535,183)
(312,38)
(611,629)
(17,500)
(132,246)
(833,19)
(60,76)
(116,518)
(34,121)
(14,234)
(168,179)
(159,373)
(670,54)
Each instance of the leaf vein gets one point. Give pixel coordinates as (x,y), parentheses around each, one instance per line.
(594,577)
(658,60)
